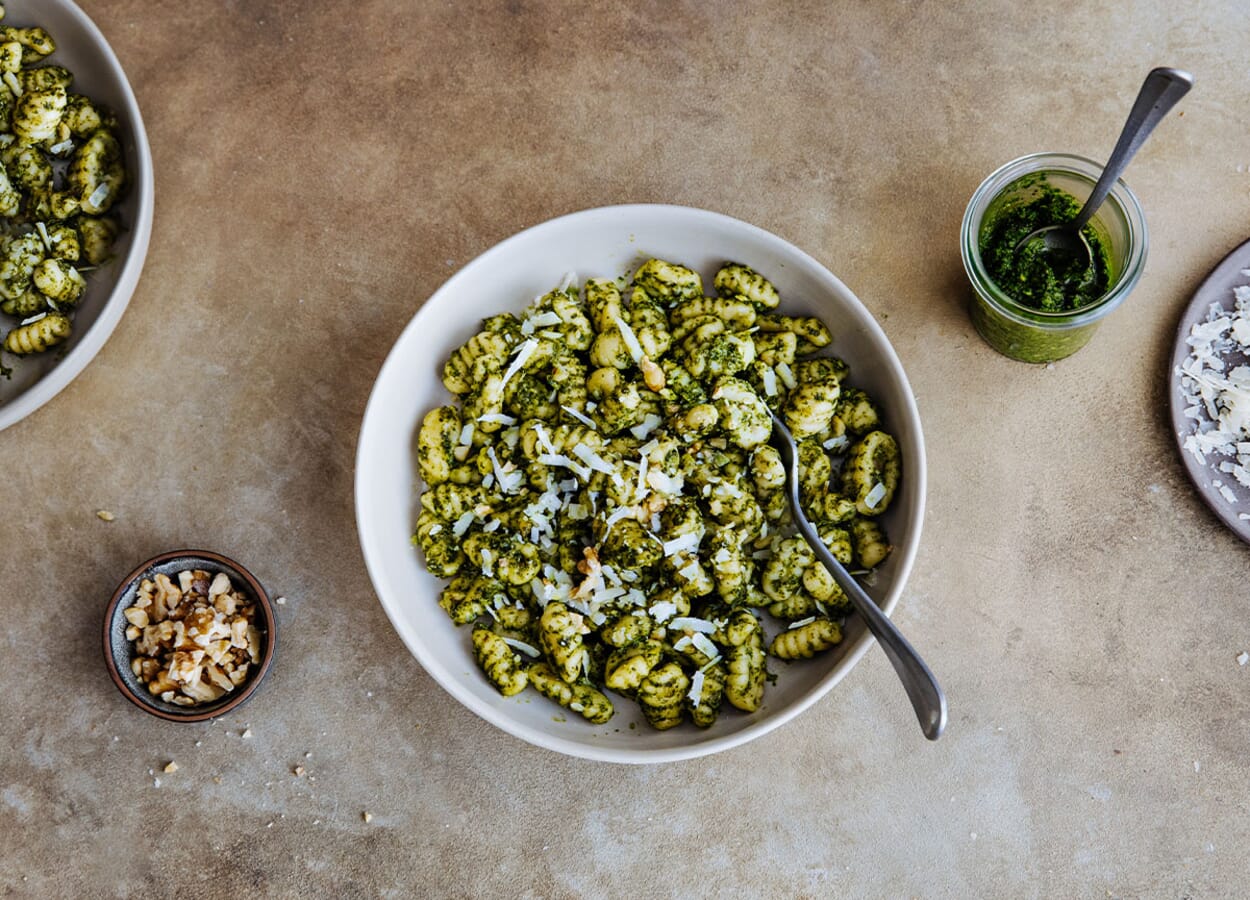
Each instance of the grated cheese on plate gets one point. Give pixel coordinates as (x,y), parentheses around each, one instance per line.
(1215,383)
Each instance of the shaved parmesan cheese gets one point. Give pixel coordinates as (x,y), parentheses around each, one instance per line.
(492,525)
(462,524)
(696,688)
(663,611)
(508,478)
(435,529)
(545,319)
(627,335)
(683,643)
(769,377)
(703,645)
(466,434)
(621,512)
(787,376)
(488,563)
(557,459)
(682,544)
(522,357)
(593,459)
(531,652)
(835,443)
(650,422)
(42,315)
(99,195)
(585,420)
(541,434)
(875,495)
(801,622)
(689,623)
(501,418)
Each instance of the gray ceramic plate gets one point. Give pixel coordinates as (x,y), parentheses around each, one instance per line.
(1218,288)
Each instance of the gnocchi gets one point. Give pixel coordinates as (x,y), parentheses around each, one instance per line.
(62,170)
(602,492)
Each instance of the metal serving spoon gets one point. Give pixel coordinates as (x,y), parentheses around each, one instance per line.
(1161,90)
(922,688)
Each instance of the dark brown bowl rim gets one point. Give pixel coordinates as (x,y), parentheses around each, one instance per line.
(217,710)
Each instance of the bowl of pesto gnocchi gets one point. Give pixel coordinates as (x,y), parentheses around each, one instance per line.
(75,199)
(569,502)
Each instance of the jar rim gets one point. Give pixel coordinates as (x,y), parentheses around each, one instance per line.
(1004,176)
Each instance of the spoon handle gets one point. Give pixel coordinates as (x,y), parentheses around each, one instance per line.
(1161,90)
(922,687)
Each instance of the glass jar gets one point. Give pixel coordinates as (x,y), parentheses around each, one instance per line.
(1022,332)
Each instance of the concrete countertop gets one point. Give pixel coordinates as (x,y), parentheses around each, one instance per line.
(322,167)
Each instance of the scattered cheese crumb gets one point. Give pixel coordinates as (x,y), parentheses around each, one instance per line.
(1243,658)
(367,816)
(171,766)
(247,733)
(104,515)
(281,601)
(298,771)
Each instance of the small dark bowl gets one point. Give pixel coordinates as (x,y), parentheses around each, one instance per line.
(119,652)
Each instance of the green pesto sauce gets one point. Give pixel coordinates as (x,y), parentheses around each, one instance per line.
(1031,275)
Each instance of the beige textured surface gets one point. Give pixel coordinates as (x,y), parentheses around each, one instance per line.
(322,167)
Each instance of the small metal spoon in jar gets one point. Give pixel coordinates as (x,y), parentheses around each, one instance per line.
(1064,242)
(922,688)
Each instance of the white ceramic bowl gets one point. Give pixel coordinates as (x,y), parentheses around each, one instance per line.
(82,49)
(607,242)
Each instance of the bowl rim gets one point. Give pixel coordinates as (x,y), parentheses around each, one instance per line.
(114,305)
(370,543)
(193,714)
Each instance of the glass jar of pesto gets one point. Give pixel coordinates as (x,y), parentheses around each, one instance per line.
(1033,322)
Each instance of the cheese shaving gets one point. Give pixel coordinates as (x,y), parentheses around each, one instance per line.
(541,434)
(769,378)
(631,339)
(531,652)
(801,622)
(558,459)
(681,544)
(462,524)
(786,376)
(875,495)
(99,195)
(585,420)
(593,459)
(663,611)
(522,357)
(650,422)
(501,418)
(703,645)
(689,623)
(696,688)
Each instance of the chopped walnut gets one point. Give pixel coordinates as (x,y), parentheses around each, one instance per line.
(196,640)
